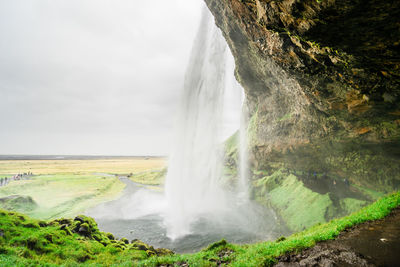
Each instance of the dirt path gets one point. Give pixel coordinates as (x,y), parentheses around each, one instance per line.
(370,244)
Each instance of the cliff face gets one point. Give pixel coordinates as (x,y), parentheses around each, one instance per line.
(322,83)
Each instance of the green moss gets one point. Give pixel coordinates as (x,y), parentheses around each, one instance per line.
(231,145)
(298,205)
(369,192)
(285,117)
(18,203)
(351,205)
(252,129)
(58,242)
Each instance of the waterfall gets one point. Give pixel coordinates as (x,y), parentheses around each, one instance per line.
(192,184)
(195,208)
(243,179)
(242,186)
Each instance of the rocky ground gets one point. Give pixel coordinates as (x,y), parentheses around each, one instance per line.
(370,244)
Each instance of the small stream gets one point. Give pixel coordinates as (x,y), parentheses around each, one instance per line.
(138,214)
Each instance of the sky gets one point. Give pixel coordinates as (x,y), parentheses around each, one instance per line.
(94,77)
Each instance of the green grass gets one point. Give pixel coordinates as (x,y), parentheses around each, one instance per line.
(351,205)
(29,242)
(26,241)
(231,145)
(150,177)
(369,192)
(299,206)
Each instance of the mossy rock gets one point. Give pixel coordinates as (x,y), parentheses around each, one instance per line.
(84,229)
(124,240)
(151,253)
(110,236)
(217,244)
(65,228)
(30,224)
(137,244)
(164,252)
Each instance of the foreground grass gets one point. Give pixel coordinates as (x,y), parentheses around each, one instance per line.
(29,242)
(24,242)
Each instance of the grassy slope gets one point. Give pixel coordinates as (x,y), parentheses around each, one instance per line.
(150,177)
(64,195)
(296,204)
(285,198)
(23,242)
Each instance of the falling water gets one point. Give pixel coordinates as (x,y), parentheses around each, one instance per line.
(192,184)
(195,208)
(243,182)
(242,115)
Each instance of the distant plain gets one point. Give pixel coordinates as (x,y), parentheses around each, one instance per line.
(67,187)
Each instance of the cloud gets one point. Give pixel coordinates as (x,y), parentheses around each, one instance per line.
(92,76)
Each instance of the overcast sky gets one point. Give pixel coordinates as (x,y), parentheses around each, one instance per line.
(93,76)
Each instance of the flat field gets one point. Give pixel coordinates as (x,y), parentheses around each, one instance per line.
(121,166)
(65,188)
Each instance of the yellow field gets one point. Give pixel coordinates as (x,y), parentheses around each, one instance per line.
(90,166)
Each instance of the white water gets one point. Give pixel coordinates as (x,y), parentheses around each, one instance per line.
(195,208)
(243,179)
(192,184)
(242,115)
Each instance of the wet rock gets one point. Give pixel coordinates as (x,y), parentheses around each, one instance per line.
(79,219)
(84,229)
